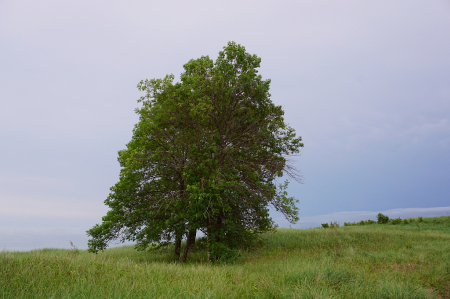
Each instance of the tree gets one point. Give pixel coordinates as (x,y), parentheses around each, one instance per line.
(204,156)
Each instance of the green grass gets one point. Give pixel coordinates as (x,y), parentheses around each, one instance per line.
(371,261)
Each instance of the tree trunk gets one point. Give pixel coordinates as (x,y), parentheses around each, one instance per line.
(190,242)
(219,229)
(178,245)
(191,237)
(208,248)
(208,241)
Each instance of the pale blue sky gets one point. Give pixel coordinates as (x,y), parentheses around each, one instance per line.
(366,84)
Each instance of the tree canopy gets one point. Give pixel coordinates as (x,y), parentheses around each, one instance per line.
(205,155)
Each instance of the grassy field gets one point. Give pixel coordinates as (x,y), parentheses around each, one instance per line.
(371,261)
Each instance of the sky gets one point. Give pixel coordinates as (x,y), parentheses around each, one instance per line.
(366,85)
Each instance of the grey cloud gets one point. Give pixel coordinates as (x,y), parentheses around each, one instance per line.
(365,84)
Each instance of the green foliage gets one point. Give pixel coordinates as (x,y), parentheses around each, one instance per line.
(205,156)
(334,224)
(362,222)
(382,219)
(331,225)
(395,221)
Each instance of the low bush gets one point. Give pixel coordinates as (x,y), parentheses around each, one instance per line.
(395,221)
(362,222)
(331,225)
(384,219)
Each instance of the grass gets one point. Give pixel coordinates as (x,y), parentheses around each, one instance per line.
(370,261)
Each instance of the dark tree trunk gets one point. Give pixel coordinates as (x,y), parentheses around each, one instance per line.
(178,245)
(219,229)
(191,238)
(178,235)
(190,242)
(208,241)
(208,248)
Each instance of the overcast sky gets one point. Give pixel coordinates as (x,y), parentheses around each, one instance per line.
(366,84)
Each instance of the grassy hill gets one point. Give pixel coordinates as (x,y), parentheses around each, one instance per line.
(360,261)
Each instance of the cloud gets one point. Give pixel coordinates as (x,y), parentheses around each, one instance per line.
(36,238)
(16,181)
(435,127)
(28,197)
(54,207)
(365,85)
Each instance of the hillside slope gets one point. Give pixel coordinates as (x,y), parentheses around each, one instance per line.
(371,261)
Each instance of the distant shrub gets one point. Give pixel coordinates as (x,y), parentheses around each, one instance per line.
(362,222)
(331,225)
(334,224)
(382,219)
(396,221)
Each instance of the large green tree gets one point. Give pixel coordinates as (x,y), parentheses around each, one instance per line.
(205,156)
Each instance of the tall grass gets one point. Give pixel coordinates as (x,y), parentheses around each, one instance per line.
(370,261)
